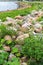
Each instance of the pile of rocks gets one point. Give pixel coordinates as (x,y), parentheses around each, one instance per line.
(22,25)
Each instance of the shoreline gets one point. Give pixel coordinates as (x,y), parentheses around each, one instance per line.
(20,6)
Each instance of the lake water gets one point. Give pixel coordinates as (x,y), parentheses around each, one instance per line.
(4,6)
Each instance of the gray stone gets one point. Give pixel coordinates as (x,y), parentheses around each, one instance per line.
(11,56)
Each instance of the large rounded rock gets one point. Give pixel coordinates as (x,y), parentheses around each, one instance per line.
(21,38)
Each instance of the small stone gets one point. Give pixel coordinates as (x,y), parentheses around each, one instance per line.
(37,30)
(20,22)
(19,47)
(24,59)
(9,19)
(17,27)
(38,27)
(18,17)
(20,33)
(34,33)
(34,12)
(11,56)
(13,37)
(26,25)
(24,63)
(6,48)
(23,29)
(8,37)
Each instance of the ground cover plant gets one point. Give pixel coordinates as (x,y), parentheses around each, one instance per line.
(33,48)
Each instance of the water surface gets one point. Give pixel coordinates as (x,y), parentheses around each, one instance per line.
(4,6)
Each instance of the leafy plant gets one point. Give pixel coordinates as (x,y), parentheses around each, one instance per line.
(40,18)
(14,50)
(14,61)
(33,47)
(34,62)
(3,57)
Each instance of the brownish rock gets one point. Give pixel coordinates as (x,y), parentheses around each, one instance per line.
(18,17)
(21,37)
(24,59)
(24,63)
(8,37)
(6,48)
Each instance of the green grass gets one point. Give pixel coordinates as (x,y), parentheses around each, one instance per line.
(40,19)
(13,13)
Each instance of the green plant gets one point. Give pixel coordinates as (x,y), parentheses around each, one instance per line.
(3,57)
(14,61)
(34,62)
(33,47)
(10,43)
(14,50)
(40,18)
(2,41)
(4,31)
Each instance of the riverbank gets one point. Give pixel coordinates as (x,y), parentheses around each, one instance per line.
(21,11)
